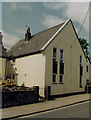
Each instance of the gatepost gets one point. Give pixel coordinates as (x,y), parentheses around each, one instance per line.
(47,93)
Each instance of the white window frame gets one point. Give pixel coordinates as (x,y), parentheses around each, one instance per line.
(54,57)
(62,61)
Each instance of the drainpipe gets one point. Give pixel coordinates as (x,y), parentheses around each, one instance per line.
(6,68)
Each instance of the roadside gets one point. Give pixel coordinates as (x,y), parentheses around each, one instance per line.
(18,111)
(78,110)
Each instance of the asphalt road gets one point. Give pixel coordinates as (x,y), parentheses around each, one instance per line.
(80,110)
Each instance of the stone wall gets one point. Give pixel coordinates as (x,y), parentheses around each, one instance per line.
(14,98)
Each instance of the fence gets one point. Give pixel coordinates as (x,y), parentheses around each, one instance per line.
(15,98)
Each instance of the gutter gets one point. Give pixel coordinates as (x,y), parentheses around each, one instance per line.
(20,56)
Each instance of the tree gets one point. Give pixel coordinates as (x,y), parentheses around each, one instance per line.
(84,45)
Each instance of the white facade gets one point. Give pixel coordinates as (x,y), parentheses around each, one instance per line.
(71,58)
(2,69)
(30,71)
(37,69)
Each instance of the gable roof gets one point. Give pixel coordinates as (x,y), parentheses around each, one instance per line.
(37,43)
(3,53)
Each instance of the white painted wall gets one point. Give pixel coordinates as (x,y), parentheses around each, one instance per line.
(31,71)
(2,68)
(71,78)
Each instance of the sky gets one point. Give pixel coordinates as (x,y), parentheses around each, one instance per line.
(40,16)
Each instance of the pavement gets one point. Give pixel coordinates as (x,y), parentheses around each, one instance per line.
(18,111)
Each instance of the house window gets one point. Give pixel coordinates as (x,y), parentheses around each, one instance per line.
(61,72)
(80,82)
(55,63)
(80,60)
(87,68)
(54,66)
(54,78)
(61,79)
(54,53)
(81,71)
(61,56)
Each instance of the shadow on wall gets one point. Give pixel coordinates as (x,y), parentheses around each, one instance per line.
(11,71)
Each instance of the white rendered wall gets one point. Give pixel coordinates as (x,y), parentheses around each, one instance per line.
(71,78)
(2,68)
(31,71)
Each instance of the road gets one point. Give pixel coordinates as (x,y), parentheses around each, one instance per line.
(80,110)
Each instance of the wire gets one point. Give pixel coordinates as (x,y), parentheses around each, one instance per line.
(82,23)
(84,20)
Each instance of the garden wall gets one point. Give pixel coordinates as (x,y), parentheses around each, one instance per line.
(14,98)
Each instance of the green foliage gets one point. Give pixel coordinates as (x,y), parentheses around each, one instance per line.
(84,45)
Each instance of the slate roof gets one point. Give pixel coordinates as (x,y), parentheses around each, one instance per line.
(3,53)
(35,44)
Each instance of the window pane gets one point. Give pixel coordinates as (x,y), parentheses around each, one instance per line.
(61,68)
(54,78)
(54,67)
(61,61)
(61,78)
(54,52)
(80,59)
(61,54)
(81,70)
(87,68)
(80,81)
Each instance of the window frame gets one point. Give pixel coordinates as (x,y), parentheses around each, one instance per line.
(54,61)
(61,62)
(81,71)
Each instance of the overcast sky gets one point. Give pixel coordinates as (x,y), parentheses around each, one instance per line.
(40,16)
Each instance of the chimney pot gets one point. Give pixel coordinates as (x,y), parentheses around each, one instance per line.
(28,35)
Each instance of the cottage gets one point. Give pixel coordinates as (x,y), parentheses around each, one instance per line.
(52,58)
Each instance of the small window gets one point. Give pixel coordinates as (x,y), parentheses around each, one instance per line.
(80,82)
(87,68)
(54,67)
(80,60)
(55,63)
(54,52)
(61,56)
(61,68)
(61,79)
(54,78)
(81,70)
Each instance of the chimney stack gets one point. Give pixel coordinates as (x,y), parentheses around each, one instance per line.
(28,34)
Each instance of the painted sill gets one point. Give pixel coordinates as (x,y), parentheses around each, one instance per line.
(54,83)
(61,83)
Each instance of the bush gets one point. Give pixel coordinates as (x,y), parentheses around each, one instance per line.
(8,82)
